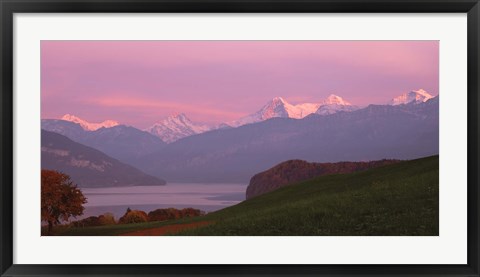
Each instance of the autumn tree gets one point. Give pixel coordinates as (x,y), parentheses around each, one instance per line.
(60,198)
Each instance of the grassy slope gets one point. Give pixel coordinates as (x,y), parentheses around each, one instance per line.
(400,199)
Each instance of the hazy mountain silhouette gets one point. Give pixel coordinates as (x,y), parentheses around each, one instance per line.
(89,167)
(121,142)
(234,155)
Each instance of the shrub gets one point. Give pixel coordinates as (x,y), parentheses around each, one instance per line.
(172,213)
(106,219)
(158,215)
(133,216)
(87,222)
(191,212)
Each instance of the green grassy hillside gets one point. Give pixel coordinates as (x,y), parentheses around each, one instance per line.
(398,199)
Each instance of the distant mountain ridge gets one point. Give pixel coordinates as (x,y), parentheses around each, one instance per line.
(178,126)
(294,171)
(375,132)
(89,167)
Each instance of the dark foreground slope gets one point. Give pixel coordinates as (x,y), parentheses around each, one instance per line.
(398,199)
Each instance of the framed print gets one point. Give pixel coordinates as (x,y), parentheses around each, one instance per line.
(225,138)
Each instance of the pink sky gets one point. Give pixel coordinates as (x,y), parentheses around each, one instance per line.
(141,82)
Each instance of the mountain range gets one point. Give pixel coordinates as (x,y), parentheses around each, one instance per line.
(234,155)
(178,126)
(332,130)
(279,107)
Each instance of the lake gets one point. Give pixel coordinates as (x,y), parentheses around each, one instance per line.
(206,197)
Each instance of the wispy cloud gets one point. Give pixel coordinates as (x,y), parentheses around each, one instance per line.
(200,111)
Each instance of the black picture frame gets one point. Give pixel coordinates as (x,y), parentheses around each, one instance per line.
(10,7)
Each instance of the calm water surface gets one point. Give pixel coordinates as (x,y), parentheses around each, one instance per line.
(207,197)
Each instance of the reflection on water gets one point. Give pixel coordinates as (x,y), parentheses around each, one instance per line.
(207,197)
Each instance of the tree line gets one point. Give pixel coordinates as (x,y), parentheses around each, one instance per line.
(61,199)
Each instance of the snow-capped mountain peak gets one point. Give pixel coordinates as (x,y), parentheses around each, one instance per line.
(301,110)
(333,104)
(415,96)
(88,126)
(423,92)
(177,118)
(333,99)
(175,127)
(277,107)
(278,100)
(274,108)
